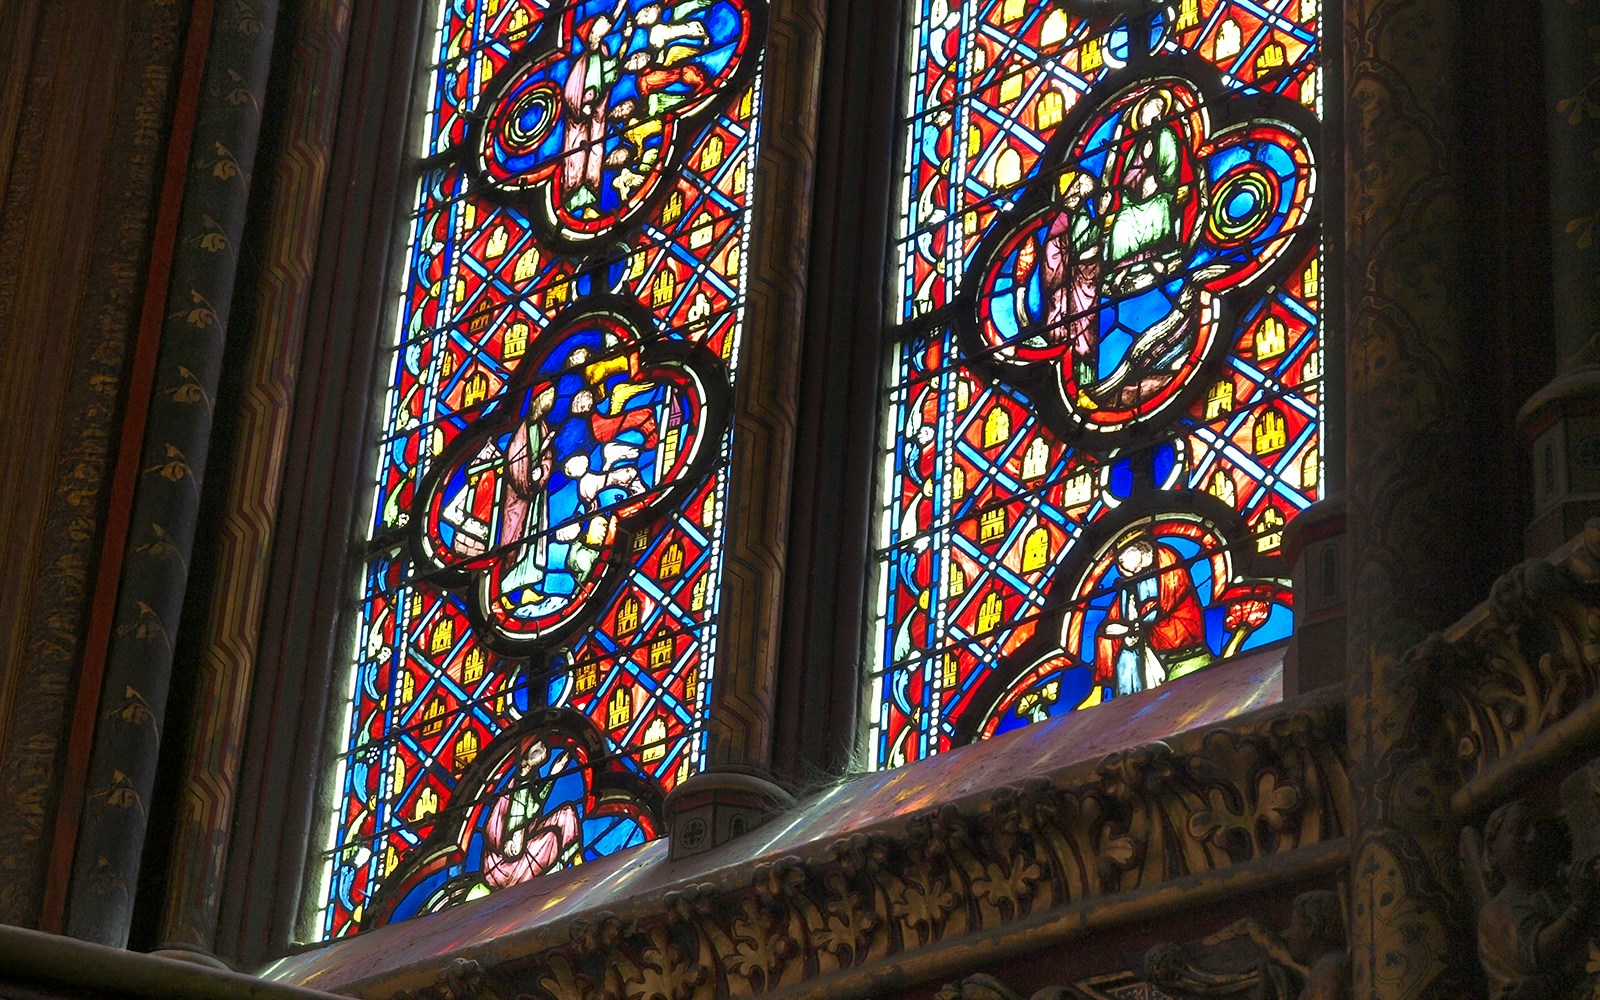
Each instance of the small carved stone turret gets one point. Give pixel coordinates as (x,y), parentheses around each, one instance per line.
(716,806)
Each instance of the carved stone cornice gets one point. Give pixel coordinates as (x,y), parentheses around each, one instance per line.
(1016,866)
(1467,719)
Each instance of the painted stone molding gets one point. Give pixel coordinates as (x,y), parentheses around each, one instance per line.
(1308,960)
(1114,987)
(1261,788)
(165,515)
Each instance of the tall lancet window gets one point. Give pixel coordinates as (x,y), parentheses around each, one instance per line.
(538,617)
(1105,389)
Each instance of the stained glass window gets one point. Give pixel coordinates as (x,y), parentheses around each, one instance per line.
(1105,388)
(538,603)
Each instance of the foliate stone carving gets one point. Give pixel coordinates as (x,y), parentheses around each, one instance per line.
(1199,803)
(1496,696)
(462,979)
(1528,658)
(982,987)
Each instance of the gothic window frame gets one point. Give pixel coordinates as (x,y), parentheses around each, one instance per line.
(303,640)
(295,696)
(1326,137)
(828,574)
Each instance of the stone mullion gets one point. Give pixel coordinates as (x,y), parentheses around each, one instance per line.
(166,500)
(765,404)
(1409,465)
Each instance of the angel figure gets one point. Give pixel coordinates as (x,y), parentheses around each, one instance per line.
(1534,928)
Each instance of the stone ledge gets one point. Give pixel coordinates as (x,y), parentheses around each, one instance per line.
(49,965)
(1051,831)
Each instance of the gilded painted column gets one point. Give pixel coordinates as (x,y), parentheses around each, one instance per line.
(154,575)
(230,646)
(86,115)
(1572,87)
(1412,528)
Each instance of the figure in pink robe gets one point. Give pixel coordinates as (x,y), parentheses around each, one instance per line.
(521,840)
(587,96)
(523,516)
(1070,279)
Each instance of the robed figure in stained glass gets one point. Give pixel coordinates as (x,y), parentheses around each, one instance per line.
(1071,275)
(529,462)
(1142,215)
(1142,200)
(1106,288)
(1164,597)
(527,507)
(1155,622)
(590,128)
(587,95)
(523,837)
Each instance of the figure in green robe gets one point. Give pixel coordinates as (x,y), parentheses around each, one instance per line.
(1144,229)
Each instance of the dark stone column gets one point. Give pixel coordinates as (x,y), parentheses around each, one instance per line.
(1562,422)
(830,561)
(1416,534)
(154,576)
